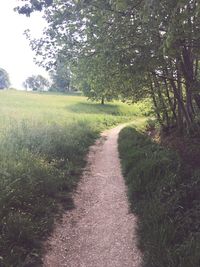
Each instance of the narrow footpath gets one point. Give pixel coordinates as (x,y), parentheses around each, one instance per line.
(100,231)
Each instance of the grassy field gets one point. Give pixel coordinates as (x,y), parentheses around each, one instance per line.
(60,109)
(164,192)
(43,142)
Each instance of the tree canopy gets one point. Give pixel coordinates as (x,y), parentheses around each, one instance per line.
(131,49)
(36,83)
(4,79)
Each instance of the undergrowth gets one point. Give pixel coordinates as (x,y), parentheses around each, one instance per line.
(164,193)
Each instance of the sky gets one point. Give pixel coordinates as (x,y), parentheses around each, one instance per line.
(16,56)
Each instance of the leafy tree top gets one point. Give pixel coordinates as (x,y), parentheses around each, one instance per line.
(4,79)
(36,83)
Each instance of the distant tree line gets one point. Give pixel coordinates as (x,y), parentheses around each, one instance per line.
(60,80)
(128,49)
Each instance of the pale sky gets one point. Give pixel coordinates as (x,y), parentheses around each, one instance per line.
(16,57)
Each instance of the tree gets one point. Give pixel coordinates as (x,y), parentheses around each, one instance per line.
(4,79)
(60,76)
(130,49)
(36,83)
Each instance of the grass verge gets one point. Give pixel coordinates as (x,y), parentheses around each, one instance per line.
(164,193)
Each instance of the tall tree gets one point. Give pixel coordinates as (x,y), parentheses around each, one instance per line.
(61,77)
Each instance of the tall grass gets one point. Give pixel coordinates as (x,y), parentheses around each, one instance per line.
(39,167)
(164,194)
(43,142)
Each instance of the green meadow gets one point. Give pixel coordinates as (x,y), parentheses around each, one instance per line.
(47,108)
(44,139)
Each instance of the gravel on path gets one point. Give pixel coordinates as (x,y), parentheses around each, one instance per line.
(100,231)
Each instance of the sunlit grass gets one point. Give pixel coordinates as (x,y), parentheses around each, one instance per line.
(43,142)
(50,108)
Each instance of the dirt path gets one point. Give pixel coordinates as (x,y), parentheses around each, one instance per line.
(100,231)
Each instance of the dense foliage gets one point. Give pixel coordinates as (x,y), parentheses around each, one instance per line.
(129,48)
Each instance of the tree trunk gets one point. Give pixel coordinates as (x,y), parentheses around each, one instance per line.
(181,104)
(171,104)
(155,103)
(180,113)
(197,100)
(162,102)
(187,67)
